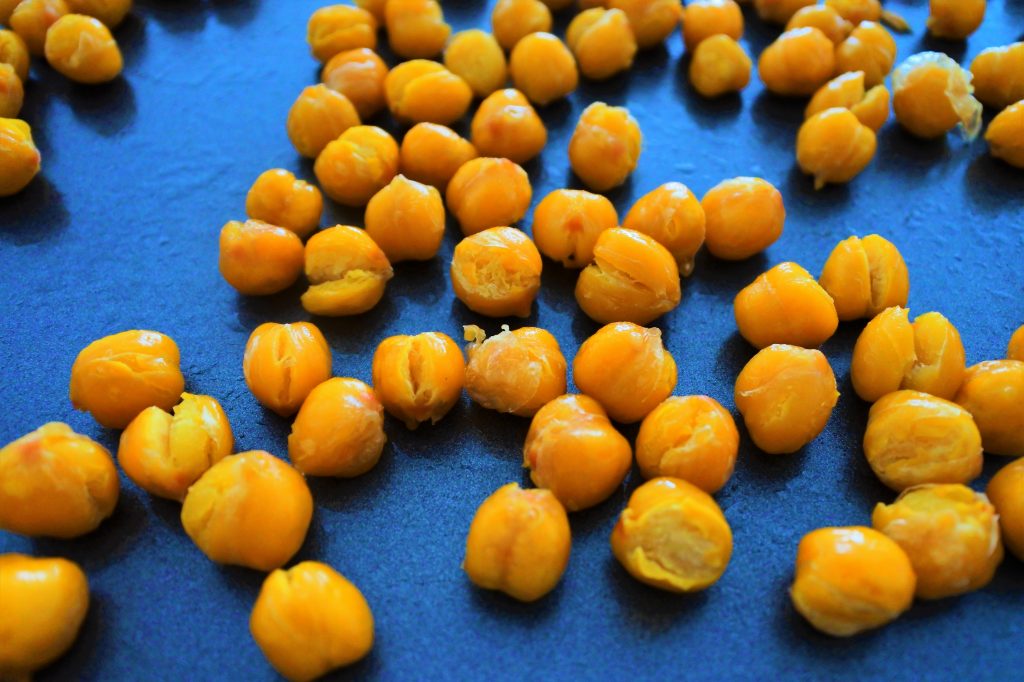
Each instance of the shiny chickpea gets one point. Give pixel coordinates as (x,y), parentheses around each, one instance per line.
(318,117)
(785,305)
(476,57)
(869,48)
(515,372)
(780,11)
(1006,491)
(939,359)
(284,362)
(259,259)
(406,219)
(249,509)
(605,146)
(567,223)
(110,12)
(507,126)
(279,198)
(374,7)
(851,579)
(496,272)
(1003,135)
(359,75)
(347,272)
(602,41)
(705,18)
(1015,349)
(955,19)
(627,369)
(719,66)
(487,192)
(57,483)
(421,90)
(673,216)
(865,276)
(798,63)
(672,535)
(651,20)
(993,392)
(31,19)
(432,153)
(418,378)
(823,18)
(998,75)
(12,92)
(834,146)
(416,28)
(932,95)
(14,51)
(518,543)
(337,28)
(512,20)
(82,49)
(743,216)
(543,68)
(847,92)
(357,165)
(309,620)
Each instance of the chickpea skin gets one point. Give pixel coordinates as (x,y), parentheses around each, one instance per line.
(865,276)
(83,49)
(785,305)
(424,91)
(869,48)
(488,192)
(798,63)
(110,12)
(514,372)
(32,19)
(416,28)
(284,362)
(955,19)
(846,91)
(1006,491)
(834,147)
(932,95)
(20,161)
(418,378)
(998,75)
(780,11)
(432,154)
(14,51)
(12,92)
(337,28)
(318,117)
(993,392)
(651,20)
(359,75)
(477,58)
(705,18)
(605,146)
(357,165)
(1003,135)
(823,18)
(496,272)
(347,272)
(543,68)
(719,66)
(406,219)
(259,259)
(507,126)
(602,41)
(512,20)
(1015,350)
(567,223)
(743,216)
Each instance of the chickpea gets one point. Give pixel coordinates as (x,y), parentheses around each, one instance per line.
(856,11)
(374,7)
(743,216)
(993,392)
(575,452)
(705,18)
(955,19)
(780,11)
(357,165)
(432,153)
(798,63)
(406,219)
(279,198)
(347,272)
(418,378)
(673,216)
(57,483)
(512,20)
(851,579)
(602,41)
(932,95)
(823,18)
(507,126)
(834,146)
(627,369)
(998,75)
(309,620)
(82,49)
(421,90)
(416,28)
(1003,135)
(651,20)
(846,91)
(1015,350)
(14,51)
(543,68)
(1006,491)
(719,66)
(605,146)
(865,276)
(518,543)
(786,395)
(249,509)
(31,19)
(496,272)
(284,362)
(476,57)
(567,223)
(45,602)
(110,12)
(337,28)
(259,259)
(318,117)
(673,536)
(165,454)
(785,305)
(359,75)
(118,376)
(488,192)
(6,7)
(515,372)
(12,92)
(868,48)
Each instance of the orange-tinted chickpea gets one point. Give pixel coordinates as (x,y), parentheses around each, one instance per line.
(998,75)
(515,372)
(932,95)
(118,376)
(993,392)
(347,272)
(719,65)
(110,12)
(477,58)
(865,276)
(14,51)
(602,41)
(512,20)
(507,126)
(496,272)
(1015,350)
(31,19)
(856,11)
(567,223)
(651,20)
(418,378)
(823,18)
(259,259)
(605,146)
(406,219)
(374,7)
(834,146)
(1003,135)
(12,92)
(357,165)
(673,216)
(847,91)
(633,278)
(279,198)
(487,192)
(780,11)
(56,483)
(785,305)
(319,116)
(543,68)
(432,153)
(743,216)
(6,7)
(284,362)
(165,454)
(249,509)
(786,395)
(955,19)
(359,75)
(416,28)
(421,90)
(82,48)
(518,543)
(627,369)
(337,28)
(1006,491)
(799,62)
(852,579)
(705,18)
(673,536)
(869,48)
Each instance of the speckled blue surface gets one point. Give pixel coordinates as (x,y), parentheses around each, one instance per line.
(121,231)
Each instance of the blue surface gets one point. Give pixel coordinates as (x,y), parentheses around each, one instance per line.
(121,230)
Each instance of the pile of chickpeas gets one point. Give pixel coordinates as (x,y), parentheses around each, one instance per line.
(931,418)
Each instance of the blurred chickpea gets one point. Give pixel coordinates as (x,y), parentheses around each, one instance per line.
(284,362)
(555,5)
(337,28)
(512,20)
(514,372)
(1006,491)
(719,65)
(865,276)
(993,392)
(318,117)
(856,11)
(998,75)
(799,62)
(12,92)
(1015,349)
(869,48)
(56,483)
(14,51)
(605,146)
(651,20)
(110,12)
(488,192)
(743,216)
(955,19)
(932,95)
(82,49)
(846,91)
(432,153)
(507,126)
(823,18)
(543,68)
(279,198)
(357,165)
(476,57)
(406,219)
(705,18)
(496,272)
(359,75)
(259,259)
(421,90)
(1003,135)
(627,369)
(31,19)
(834,147)
(6,7)
(567,223)
(602,41)
(416,28)
(374,7)
(673,216)
(785,305)
(418,378)
(780,11)
(347,272)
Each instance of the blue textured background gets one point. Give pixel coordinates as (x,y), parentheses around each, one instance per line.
(121,230)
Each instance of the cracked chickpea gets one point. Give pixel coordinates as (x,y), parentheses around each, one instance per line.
(869,48)
(337,28)
(1006,491)
(432,153)
(834,146)
(543,68)
(798,63)
(505,125)
(605,146)
(14,51)
(406,219)
(416,28)
(514,372)
(279,198)
(110,12)
(259,259)
(602,41)
(424,91)
(847,91)
(719,65)
(567,223)
(1003,135)
(780,11)
(347,272)
(993,393)
(651,20)
(284,362)
(932,95)
(12,92)
(318,117)
(83,49)
(955,19)
(998,75)
(32,19)
(512,20)
(743,216)
(705,18)
(865,276)
(418,378)
(359,75)
(477,58)
(823,18)
(488,192)
(496,272)
(785,305)
(357,165)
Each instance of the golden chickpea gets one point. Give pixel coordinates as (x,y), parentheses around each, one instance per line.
(932,95)
(605,146)
(1003,135)
(416,28)
(118,376)
(567,223)
(786,395)
(496,272)
(993,392)
(14,51)
(110,12)
(602,41)
(507,126)
(279,198)
(32,19)
(834,147)
(374,7)
(939,359)
(512,20)
(359,75)
(780,11)
(432,153)
(575,452)
(57,483)
(673,216)
(705,18)
(82,49)
(785,305)
(955,19)
(673,536)
(651,20)
(421,90)
(543,68)
(406,219)
(337,28)
(418,378)
(852,579)
(865,276)
(719,65)
(165,454)
(518,543)
(357,165)
(347,272)
(1006,491)
(284,362)
(823,18)
(249,509)
(515,372)
(998,75)
(869,48)
(847,92)
(259,259)
(1015,349)
(799,62)
(309,620)
(12,92)
(487,192)
(627,369)
(45,602)
(476,57)
(318,117)
(743,216)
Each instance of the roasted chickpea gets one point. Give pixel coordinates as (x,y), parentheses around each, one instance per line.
(705,18)
(602,41)
(487,192)
(12,92)
(406,219)
(279,198)
(993,392)
(318,117)
(518,543)
(865,276)
(1015,350)
(507,126)
(359,75)
(347,272)
(998,75)
(496,272)
(56,483)
(847,92)
(337,28)
(374,7)
(673,536)
(567,223)
(1006,491)
(799,62)
(932,95)
(673,216)
(780,11)
(432,153)
(476,57)
(512,20)
(32,19)
(823,18)
(543,68)
(516,372)
(869,48)
(955,19)
(785,305)
(834,146)
(418,378)
(651,20)
(357,165)
(605,146)
(309,620)
(259,259)
(627,369)
(743,216)
(110,12)
(14,51)
(82,49)
(284,362)
(416,28)
(719,65)
(1003,135)
(421,90)
(249,509)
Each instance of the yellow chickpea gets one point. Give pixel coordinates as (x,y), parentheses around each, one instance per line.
(851,579)
(780,11)
(823,18)
(406,219)
(955,19)
(56,483)
(673,536)
(512,20)
(14,51)
(421,90)
(318,117)
(834,147)
(798,63)
(45,601)
(477,58)
(605,146)
(993,392)
(82,49)
(602,41)
(1006,491)
(284,362)
(359,75)
(259,259)
(932,95)
(432,153)
(1015,349)
(309,620)
(865,276)
(12,92)
(785,305)
(487,192)
(507,126)
(110,12)
(31,19)
(998,75)
(347,272)
(786,395)
(543,68)
(496,272)
(705,18)
(518,543)
(846,91)
(743,216)
(673,216)
(627,369)
(418,378)
(249,509)
(1003,135)
(651,20)
(374,7)
(279,198)
(416,28)
(357,165)
(719,66)
(515,372)
(567,223)
(869,48)
(337,28)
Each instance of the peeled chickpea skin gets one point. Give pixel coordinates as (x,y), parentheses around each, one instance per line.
(418,378)
(823,18)
(432,154)
(605,146)
(477,58)
(31,19)
(488,192)
(514,372)
(496,272)
(799,62)
(575,452)
(865,276)
(110,12)
(512,20)
(780,11)
(1003,135)
(651,20)
(673,536)
(1015,349)
(847,92)
(337,28)
(705,18)
(347,272)
(673,216)
(56,483)
(309,620)
(785,305)
(359,75)
(743,216)
(998,75)
(357,165)
(543,68)
(82,49)
(318,117)
(567,223)
(12,92)
(955,19)
(602,41)
(869,48)
(14,51)
(284,362)
(279,198)
(993,393)
(719,65)
(416,28)
(1006,491)
(19,159)
(834,147)
(518,543)
(421,90)
(259,259)
(932,95)
(505,125)
(406,219)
